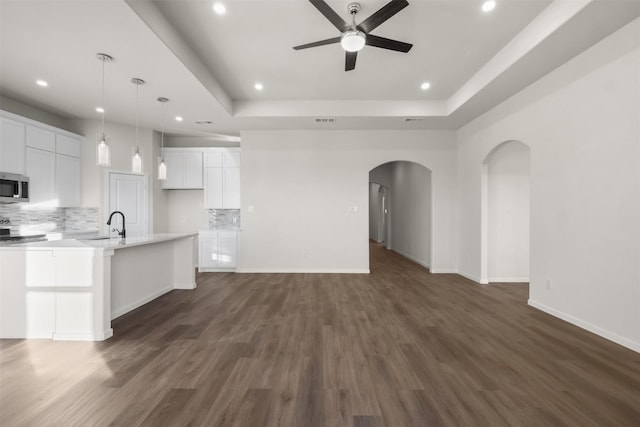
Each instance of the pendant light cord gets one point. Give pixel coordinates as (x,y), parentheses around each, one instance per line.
(162,128)
(137,113)
(104,109)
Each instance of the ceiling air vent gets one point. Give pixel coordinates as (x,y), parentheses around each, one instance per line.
(413,119)
(204,122)
(322,120)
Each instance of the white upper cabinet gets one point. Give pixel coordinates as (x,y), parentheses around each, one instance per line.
(222,179)
(41,139)
(192,169)
(54,175)
(41,170)
(67,180)
(184,169)
(48,156)
(12,140)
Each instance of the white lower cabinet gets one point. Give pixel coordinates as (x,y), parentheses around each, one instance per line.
(217,250)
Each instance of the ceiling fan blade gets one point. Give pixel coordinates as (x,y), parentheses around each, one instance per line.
(331,15)
(350,60)
(318,43)
(385,43)
(384,13)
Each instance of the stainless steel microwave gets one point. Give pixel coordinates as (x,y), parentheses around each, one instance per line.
(13,188)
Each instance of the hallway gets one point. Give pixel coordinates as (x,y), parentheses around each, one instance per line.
(398,347)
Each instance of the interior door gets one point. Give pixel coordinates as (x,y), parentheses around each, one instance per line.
(128,194)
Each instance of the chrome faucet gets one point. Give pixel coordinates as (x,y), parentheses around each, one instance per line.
(122,233)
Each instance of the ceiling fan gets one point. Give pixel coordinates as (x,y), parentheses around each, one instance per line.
(355,36)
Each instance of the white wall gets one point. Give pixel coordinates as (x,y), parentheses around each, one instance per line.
(411,212)
(302,183)
(185,211)
(582,123)
(508,213)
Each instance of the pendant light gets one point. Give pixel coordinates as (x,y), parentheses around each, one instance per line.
(103,155)
(136,158)
(162,167)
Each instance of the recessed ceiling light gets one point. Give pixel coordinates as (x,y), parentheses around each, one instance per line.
(488,6)
(219,8)
(258,86)
(100,109)
(178,119)
(42,83)
(425,85)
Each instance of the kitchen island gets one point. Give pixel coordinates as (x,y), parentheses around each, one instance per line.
(71,289)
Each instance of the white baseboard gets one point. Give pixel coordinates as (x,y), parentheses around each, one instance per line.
(303,270)
(216,270)
(416,260)
(508,280)
(625,342)
(139,303)
(472,277)
(443,270)
(83,337)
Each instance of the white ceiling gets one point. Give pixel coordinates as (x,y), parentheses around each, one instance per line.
(207,64)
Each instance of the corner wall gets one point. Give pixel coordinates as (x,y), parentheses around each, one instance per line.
(582,123)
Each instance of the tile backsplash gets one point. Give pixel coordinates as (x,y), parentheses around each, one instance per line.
(224,218)
(48,219)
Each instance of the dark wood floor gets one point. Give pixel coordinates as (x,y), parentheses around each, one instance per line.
(398,347)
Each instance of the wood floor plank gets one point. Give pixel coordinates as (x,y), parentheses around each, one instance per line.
(397,347)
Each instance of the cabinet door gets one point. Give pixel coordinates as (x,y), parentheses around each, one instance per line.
(213,159)
(192,169)
(232,159)
(67,146)
(68,180)
(213,188)
(227,249)
(175,170)
(208,250)
(40,168)
(12,143)
(41,139)
(231,189)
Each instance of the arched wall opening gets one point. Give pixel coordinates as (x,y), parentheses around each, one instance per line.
(505,211)
(400,205)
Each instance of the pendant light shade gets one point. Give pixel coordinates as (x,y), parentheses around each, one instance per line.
(136,161)
(162,166)
(162,170)
(103,155)
(136,157)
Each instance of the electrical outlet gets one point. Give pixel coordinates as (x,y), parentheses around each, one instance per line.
(549,284)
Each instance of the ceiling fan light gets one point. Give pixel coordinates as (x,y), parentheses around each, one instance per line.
(353,41)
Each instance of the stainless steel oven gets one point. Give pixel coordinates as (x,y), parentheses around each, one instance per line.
(13,188)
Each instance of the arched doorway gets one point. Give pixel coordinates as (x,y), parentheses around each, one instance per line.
(505,214)
(400,208)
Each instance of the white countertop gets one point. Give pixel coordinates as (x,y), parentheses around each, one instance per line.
(103,244)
